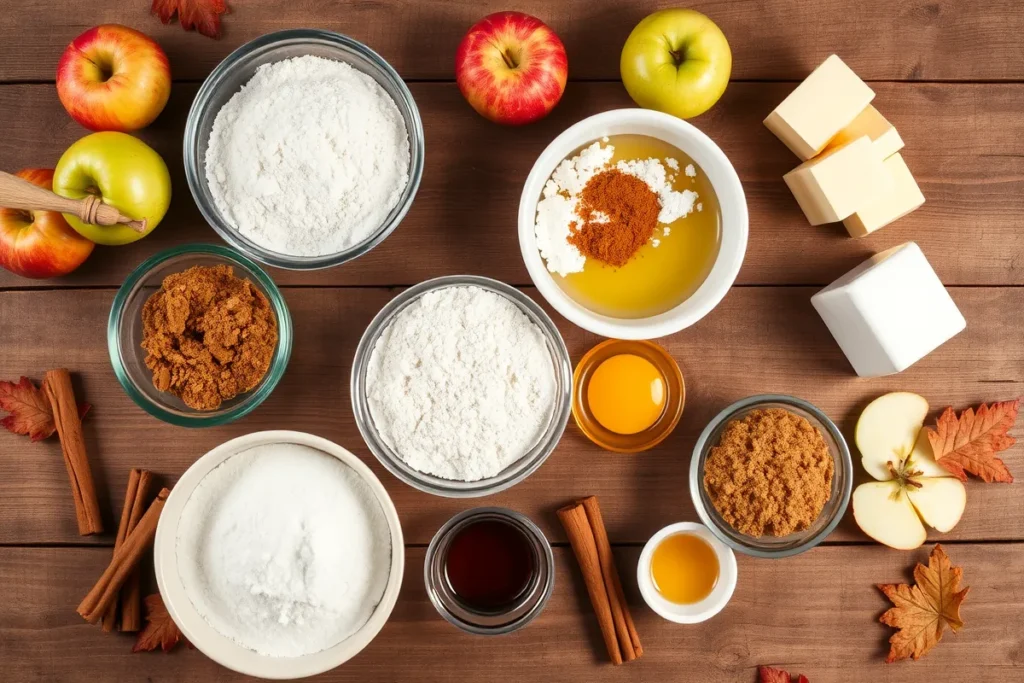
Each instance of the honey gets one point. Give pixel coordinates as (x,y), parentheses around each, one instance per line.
(684,568)
(657,278)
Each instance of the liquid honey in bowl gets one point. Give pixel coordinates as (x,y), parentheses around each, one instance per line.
(670,267)
(684,568)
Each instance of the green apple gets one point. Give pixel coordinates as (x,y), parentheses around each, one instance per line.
(676,61)
(125,173)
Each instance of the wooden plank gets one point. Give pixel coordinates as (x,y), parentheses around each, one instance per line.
(965,144)
(815,614)
(758,340)
(781,39)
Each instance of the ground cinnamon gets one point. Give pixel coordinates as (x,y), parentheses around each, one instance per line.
(770,474)
(59,392)
(209,336)
(617,214)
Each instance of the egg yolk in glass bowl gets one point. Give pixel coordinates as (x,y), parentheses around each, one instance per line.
(626,394)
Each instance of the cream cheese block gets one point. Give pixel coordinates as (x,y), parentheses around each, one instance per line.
(826,102)
(871,123)
(832,186)
(901,199)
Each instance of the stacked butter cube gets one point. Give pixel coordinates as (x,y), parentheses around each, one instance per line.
(852,170)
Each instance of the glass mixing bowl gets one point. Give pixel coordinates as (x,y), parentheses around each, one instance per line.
(234,72)
(124,335)
(774,546)
(560,365)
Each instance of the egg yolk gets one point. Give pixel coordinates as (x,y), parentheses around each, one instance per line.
(626,394)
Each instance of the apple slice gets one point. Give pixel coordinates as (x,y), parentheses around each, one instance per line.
(939,501)
(887,431)
(922,459)
(884,512)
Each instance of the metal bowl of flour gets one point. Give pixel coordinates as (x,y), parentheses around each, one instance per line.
(235,71)
(519,470)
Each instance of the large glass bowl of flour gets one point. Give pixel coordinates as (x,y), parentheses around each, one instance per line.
(473,391)
(308,164)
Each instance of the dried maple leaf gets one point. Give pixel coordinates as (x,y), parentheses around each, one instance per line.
(160,630)
(923,610)
(769,674)
(201,15)
(969,444)
(30,412)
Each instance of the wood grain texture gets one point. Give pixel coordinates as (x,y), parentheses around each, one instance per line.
(770,39)
(758,340)
(815,614)
(964,143)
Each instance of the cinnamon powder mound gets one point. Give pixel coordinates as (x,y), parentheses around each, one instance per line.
(770,474)
(617,215)
(209,336)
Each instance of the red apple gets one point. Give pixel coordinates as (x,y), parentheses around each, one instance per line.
(39,244)
(113,78)
(511,68)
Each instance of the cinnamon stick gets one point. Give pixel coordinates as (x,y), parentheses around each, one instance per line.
(58,391)
(125,559)
(625,628)
(110,617)
(581,538)
(131,592)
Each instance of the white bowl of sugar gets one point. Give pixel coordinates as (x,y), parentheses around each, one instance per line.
(279,555)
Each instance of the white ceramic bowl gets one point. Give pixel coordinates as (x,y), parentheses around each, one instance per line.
(698,611)
(711,160)
(220,648)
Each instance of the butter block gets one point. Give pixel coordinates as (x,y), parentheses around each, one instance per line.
(889,312)
(901,199)
(871,123)
(826,102)
(830,187)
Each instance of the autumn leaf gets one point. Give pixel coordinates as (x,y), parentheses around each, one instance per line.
(770,674)
(29,410)
(160,630)
(923,611)
(969,444)
(201,15)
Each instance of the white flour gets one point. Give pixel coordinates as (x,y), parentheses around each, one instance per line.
(461,384)
(556,211)
(309,157)
(284,550)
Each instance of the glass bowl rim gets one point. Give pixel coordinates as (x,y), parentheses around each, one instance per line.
(190,149)
(561,366)
(710,517)
(278,363)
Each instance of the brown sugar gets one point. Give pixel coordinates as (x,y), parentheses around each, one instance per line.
(617,214)
(209,336)
(770,474)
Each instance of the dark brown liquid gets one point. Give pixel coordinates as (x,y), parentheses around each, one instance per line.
(489,564)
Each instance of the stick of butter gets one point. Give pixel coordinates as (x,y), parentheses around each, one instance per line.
(826,102)
(904,197)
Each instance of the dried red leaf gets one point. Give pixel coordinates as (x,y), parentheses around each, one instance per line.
(970,443)
(30,412)
(769,674)
(201,15)
(160,630)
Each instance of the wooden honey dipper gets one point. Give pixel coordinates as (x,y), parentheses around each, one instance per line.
(16,193)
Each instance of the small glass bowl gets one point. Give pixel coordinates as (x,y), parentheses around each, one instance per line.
(530,603)
(774,546)
(517,471)
(675,396)
(235,71)
(124,335)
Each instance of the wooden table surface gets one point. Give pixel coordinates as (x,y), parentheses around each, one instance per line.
(948,73)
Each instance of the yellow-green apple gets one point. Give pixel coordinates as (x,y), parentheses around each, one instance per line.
(124,172)
(113,78)
(511,68)
(912,488)
(39,244)
(676,61)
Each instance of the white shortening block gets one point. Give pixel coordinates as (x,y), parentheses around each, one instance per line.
(889,312)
